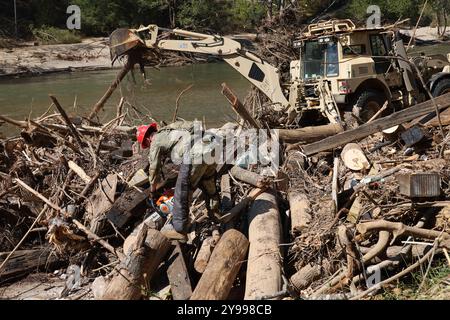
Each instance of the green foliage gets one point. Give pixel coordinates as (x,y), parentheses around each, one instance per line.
(431,287)
(52,35)
(247,14)
(391,10)
(203,15)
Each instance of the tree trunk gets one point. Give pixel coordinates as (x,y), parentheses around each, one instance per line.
(147,252)
(178,275)
(309,134)
(249,177)
(223,267)
(264,261)
(305,276)
(204,254)
(300,209)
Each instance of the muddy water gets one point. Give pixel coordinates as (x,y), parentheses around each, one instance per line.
(21,97)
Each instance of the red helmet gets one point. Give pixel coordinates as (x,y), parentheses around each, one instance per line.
(143,132)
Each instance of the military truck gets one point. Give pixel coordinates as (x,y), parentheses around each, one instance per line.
(344,73)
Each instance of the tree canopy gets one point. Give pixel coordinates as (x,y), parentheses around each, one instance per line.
(100,17)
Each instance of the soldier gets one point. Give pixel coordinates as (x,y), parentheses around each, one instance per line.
(175,141)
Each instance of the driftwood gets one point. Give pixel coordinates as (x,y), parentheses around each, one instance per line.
(379,285)
(147,252)
(377,125)
(123,72)
(204,254)
(380,246)
(40,196)
(305,276)
(177,272)
(224,265)
(399,229)
(300,208)
(96,238)
(264,262)
(225,193)
(239,107)
(100,202)
(309,134)
(127,206)
(249,177)
(22,262)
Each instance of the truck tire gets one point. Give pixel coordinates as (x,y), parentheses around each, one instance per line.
(442,87)
(367,103)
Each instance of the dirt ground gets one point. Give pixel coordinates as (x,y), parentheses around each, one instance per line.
(27,59)
(425,33)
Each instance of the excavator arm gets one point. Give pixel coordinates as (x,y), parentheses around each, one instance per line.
(260,73)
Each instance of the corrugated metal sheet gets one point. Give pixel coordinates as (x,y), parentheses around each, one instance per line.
(420,184)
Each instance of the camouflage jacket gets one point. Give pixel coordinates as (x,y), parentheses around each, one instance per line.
(170,143)
(165,143)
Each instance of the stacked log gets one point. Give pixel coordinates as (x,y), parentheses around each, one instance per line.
(264,258)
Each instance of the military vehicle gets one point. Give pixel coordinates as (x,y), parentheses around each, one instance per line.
(344,73)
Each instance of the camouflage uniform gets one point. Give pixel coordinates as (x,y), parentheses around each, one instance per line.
(167,143)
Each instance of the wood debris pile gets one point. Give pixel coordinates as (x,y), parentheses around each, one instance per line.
(74,195)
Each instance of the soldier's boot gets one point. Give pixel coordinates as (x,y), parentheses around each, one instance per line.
(170,233)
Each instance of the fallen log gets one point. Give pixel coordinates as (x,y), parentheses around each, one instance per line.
(177,272)
(249,177)
(445,120)
(142,260)
(17,123)
(300,209)
(309,134)
(378,125)
(224,265)
(204,254)
(128,205)
(225,193)
(399,229)
(237,209)
(305,276)
(123,72)
(239,107)
(264,259)
(100,202)
(22,262)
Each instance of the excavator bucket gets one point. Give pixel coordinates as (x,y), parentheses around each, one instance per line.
(122,41)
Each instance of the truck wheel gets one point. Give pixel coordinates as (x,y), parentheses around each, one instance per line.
(442,87)
(366,106)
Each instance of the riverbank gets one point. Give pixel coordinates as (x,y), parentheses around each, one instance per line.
(425,34)
(27,59)
(31,60)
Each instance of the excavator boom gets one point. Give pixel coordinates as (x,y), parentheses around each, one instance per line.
(260,73)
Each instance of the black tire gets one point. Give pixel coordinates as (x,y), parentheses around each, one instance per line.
(442,87)
(366,105)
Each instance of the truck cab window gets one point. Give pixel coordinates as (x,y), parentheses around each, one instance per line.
(377,45)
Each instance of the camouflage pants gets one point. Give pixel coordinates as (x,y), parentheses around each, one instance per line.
(189,178)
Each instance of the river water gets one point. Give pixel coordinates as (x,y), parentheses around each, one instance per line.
(28,97)
(20,98)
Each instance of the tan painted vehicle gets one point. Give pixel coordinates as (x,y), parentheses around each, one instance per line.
(344,73)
